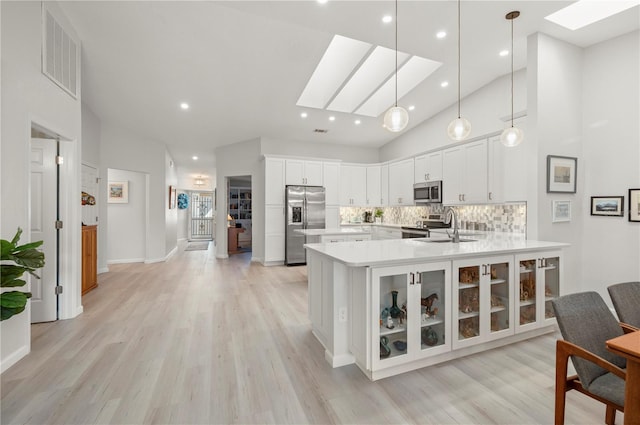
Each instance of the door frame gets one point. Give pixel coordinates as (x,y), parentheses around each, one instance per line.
(69,254)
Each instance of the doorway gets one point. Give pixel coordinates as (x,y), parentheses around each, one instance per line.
(239,214)
(201,216)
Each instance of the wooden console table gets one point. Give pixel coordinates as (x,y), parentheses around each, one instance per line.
(628,346)
(232,242)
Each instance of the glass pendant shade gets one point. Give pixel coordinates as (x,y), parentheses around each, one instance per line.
(511,137)
(396,119)
(459,129)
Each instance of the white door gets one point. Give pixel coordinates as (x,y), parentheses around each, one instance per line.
(43,219)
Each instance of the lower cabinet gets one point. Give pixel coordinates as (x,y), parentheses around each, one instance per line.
(89,258)
(412,317)
(344,238)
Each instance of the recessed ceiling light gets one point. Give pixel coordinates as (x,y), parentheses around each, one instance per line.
(583,13)
(303,115)
(504,53)
(444,84)
(441,34)
(411,108)
(387,19)
(332,118)
(184,105)
(357,122)
(195,158)
(322,1)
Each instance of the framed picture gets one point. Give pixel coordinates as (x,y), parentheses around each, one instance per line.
(634,205)
(561,211)
(172,197)
(607,205)
(118,192)
(561,174)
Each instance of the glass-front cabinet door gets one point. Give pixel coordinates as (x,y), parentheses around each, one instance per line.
(539,283)
(412,319)
(483,289)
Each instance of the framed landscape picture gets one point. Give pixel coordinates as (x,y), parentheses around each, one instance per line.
(607,205)
(634,205)
(561,211)
(118,192)
(561,174)
(172,197)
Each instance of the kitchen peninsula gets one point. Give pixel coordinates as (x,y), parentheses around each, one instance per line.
(391,306)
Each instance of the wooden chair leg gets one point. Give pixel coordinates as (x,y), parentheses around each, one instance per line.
(561,383)
(610,417)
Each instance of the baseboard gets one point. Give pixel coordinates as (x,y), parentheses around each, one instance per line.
(103,270)
(126,261)
(14,358)
(257,260)
(182,239)
(222,257)
(272,263)
(79,311)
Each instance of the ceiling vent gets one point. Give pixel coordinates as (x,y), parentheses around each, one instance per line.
(320,130)
(60,55)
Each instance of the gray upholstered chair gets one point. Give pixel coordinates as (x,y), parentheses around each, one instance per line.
(626,301)
(586,323)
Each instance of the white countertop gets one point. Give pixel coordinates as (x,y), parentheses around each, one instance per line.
(333,232)
(411,251)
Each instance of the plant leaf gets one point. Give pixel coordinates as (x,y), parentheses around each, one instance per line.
(8,283)
(32,258)
(32,245)
(14,299)
(6,313)
(16,238)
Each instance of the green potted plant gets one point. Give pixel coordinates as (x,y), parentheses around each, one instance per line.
(16,261)
(378,214)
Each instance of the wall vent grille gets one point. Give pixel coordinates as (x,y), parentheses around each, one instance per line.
(60,56)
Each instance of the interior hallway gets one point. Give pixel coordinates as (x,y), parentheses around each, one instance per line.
(200,340)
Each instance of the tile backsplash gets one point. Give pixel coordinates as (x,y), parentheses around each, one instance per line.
(510,218)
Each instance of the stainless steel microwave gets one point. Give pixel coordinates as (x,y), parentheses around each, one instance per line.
(428,193)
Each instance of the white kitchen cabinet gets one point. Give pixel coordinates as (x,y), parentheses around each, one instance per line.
(381,232)
(464,174)
(428,167)
(384,185)
(483,289)
(507,171)
(345,238)
(332,217)
(401,176)
(274,181)
(303,172)
(331,174)
(374,181)
(353,185)
(422,326)
(539,277)
(274,234)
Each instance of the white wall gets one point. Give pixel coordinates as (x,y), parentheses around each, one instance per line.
(187,178)
(484,108)
(90,137)
(126,228)
(171,215)
(318,150)
(183,219)
(610,158)
(124,150)
(30,97)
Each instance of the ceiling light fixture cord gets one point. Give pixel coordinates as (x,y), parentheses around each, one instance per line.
(512,72)
(459,58)
(396,104)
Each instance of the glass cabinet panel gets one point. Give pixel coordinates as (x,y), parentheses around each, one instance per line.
(527,293)
(433,309)
(500,307)
(551,267)
(468,302)
(393,316)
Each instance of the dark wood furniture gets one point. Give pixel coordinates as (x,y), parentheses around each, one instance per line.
(89,258)
(232,243)
(628,346)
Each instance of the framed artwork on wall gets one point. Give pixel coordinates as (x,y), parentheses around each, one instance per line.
(118,192)
(634,205)
(172,197)
(561,211)
(607,205)
(561,174)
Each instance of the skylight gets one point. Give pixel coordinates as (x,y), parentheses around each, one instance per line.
(354,77)
(586,12)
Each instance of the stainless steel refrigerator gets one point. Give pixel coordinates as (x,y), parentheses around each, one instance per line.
(305,210)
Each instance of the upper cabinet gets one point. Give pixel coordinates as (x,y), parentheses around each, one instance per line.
(464,174)
(353,185)
(384,185)
(331,174)
(428,167)
(274,181)
(401,183)
(302,172)
(374,196)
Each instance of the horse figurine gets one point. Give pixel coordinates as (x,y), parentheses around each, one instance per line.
(428,302)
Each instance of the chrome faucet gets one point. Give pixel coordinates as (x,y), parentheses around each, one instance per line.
(450,212)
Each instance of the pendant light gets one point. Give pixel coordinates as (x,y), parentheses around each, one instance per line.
(396,118)
(512,136)
(459,128)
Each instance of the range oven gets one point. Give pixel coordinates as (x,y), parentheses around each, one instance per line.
(428,193)
(422,227)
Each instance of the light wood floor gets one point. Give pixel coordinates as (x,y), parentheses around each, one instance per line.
(197,340)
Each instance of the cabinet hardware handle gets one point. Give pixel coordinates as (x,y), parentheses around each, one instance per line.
(490,197)
(427,176)
(419,281)
(412,280)
(484,270)
(539,263)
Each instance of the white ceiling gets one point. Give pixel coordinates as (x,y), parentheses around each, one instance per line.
(242,65)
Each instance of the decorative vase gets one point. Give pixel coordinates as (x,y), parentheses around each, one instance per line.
(385,351)
(395,311)
(429,336)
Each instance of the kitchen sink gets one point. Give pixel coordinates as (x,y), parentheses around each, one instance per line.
(445,240)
